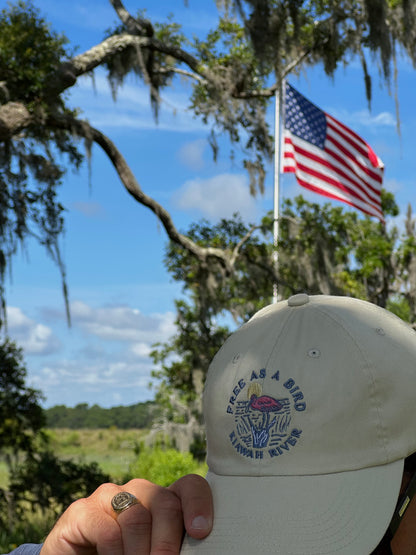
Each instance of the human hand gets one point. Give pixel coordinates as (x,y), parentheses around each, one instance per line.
(155,525)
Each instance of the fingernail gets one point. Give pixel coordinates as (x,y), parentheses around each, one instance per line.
(200,523)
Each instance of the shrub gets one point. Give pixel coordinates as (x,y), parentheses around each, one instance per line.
(164,466)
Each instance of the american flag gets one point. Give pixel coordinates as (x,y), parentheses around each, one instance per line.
(328,158)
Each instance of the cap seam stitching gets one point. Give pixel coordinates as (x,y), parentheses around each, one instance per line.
(381,428)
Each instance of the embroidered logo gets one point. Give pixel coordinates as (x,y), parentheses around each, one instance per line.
(263,422)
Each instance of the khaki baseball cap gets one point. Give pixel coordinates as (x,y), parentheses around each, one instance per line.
(310,410)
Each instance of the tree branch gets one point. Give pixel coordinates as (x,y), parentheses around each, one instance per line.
(239,245)
(134,25)
(68,72)
(270,91)
(183,72)
(14,117)
(85,130)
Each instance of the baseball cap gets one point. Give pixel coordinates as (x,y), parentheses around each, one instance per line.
(310,410)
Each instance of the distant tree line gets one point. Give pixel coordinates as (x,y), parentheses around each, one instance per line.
(140,415)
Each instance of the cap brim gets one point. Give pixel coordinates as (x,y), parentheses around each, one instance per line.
(346,513)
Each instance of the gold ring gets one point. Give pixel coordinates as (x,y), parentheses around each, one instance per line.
(122,501)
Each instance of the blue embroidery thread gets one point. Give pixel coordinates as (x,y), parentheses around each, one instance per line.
(262,422)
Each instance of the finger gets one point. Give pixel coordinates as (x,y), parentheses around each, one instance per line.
(135,521)
(197,506)
(166,516)
(83,529)
(136,529)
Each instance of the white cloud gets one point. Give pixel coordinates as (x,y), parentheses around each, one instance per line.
(132,110)
(89,209)
(217,197)
(140,349)
(363,118)
(104,357)
(106,381)
(191,154)
(393,185)
(122,323)
(34,338)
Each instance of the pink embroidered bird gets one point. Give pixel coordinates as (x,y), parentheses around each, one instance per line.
(264,403)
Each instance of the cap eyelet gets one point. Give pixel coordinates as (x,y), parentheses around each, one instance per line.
(314,353)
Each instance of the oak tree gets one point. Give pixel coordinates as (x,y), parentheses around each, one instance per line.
(233,72)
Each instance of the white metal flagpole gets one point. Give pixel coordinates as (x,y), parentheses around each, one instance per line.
(277,167)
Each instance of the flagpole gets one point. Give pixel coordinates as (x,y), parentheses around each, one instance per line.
(276,201)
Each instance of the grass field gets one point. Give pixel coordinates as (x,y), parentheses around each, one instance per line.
(3,475)
(112,449)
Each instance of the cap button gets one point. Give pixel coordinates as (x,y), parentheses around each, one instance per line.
(298,300)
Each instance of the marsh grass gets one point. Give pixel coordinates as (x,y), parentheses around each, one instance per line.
(33,528)
(116,453)
(4,475)
(112,449)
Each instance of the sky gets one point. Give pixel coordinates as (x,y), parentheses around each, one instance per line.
(121,295)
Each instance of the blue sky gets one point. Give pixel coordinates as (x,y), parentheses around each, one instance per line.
(120,292)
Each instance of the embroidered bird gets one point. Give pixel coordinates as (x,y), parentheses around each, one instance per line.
(264,403)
